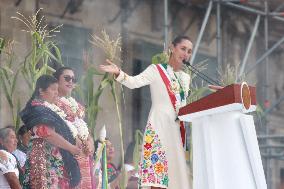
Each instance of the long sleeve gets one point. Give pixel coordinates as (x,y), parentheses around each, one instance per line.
(143,79)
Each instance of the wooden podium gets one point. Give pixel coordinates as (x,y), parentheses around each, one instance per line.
(225,147)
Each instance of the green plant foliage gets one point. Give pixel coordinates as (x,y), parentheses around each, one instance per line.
(2,44)
(8,78)
(90,96)
(160,58)
(137,148)
(229,75)
(196,93)
(35,63)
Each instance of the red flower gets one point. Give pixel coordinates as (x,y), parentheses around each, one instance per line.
(147,146)
(42,131)
(55,152)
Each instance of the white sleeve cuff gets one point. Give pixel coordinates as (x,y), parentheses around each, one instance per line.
(121,77)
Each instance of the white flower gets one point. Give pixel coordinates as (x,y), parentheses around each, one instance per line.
(80,125)
(63,116)
(72,128)
(184,81)
(82,128)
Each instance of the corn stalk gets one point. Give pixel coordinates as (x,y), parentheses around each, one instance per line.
(8,79)
(91,96)
(36,62)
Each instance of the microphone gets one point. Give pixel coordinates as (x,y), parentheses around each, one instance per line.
(186,63)
(200,74)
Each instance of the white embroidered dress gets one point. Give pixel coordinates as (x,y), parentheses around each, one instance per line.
(163,161)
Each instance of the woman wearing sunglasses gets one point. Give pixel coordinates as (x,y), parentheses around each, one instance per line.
(75,114)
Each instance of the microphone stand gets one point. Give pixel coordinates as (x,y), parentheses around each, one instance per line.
(200,74)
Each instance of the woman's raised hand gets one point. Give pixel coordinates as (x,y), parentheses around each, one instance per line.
(110,67)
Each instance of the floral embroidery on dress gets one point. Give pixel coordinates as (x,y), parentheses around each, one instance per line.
(7,163)
(153,169)
(112,172)
(44,168)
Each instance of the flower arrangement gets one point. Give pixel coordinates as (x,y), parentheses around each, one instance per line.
(76,108)
(82,128)
(62,114)
(74,114)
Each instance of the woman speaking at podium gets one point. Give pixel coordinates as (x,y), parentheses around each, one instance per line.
(163,162)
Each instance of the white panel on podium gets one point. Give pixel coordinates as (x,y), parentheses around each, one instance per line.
(225,149)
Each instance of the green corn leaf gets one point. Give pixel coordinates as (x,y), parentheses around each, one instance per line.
(50,69)
(104,83)
(25,75)
(6,92)
(6,72)
(2,44)
(18,118)
(94,71)
(37,38)
(51,55)
(14,82)
(137,148)
(58,54)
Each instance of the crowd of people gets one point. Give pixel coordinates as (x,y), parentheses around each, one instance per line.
(54,149)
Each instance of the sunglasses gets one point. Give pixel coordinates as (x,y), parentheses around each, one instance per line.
(68,78)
